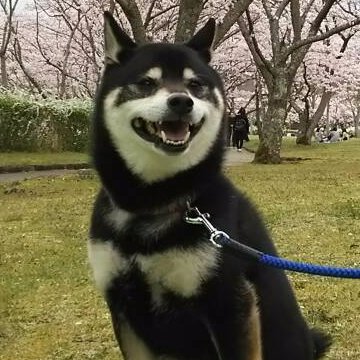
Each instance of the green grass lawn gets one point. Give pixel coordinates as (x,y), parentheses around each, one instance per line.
(339,150)
(49,308)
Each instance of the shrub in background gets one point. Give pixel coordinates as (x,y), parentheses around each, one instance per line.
(28,124)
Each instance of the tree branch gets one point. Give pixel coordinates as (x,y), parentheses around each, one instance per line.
(322,36)
(274,31)
(315,26)
(189,13)
(230,19)
(133,15)
(8,28)
(261,62)
(19,60)
(295,19)
(148,13)
(161,12)
(281,8)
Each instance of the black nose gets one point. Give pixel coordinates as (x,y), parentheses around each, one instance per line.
(180,104)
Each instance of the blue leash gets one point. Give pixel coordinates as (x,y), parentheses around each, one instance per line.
(221,239)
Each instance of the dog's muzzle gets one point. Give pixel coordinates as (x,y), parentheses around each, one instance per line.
(175,130)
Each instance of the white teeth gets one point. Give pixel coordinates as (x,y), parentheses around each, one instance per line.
(172,142)
(187,137)
(163,136)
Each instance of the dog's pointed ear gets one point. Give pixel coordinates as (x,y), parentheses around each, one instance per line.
(117,43)
(203,40)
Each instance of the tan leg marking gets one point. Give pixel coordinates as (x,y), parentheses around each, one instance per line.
(132,347)
(255,346)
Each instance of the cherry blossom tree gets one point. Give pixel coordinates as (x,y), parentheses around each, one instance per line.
(321,78)
(292,27)
(55,49)
(64,37)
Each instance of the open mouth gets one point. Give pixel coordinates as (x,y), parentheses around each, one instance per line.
(171,136)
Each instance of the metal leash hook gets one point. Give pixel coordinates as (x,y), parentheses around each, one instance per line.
(195,217)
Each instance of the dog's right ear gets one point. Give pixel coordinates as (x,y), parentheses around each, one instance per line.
(118,44)
(203,40)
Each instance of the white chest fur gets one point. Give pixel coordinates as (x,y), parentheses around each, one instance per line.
(178,270)
(181,271)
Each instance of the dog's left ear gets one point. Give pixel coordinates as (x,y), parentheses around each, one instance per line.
(118,44)
(203,40)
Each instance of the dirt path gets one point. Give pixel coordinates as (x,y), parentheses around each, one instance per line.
(232,158)
(34,174)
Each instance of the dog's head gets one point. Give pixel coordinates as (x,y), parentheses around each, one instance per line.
(162,104)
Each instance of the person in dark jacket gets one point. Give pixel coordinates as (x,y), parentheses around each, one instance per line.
(240,129)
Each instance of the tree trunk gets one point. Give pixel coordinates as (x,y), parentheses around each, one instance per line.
(258,98)
(189,13)
(305,133)
(356,124)
(4,76)
(308,124)
(268,151)
(327,125)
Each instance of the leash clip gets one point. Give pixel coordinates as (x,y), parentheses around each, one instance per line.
(195,217)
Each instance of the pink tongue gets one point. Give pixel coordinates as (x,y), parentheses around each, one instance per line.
(175,131)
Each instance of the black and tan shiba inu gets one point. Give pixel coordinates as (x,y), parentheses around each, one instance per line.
(158,142)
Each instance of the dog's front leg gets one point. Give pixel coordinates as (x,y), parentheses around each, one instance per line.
(237,340)
(233,323)
(131,346)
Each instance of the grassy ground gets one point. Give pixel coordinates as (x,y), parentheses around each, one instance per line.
(339,150)
(20,158)
(50,310)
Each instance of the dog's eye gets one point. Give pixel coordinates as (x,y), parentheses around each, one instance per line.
(195,84)
(197,87)
(147,83)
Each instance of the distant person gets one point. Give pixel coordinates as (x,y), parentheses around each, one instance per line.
(319,134)
(240,129)
(334,135)
(344,133)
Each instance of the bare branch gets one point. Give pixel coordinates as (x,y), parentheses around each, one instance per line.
(281,8)
(133,15)
(230,19)
(295,19)
(8,28)
(152,17)
(18,57)
(306,12)
(189,13)
(322,36)
(249,36)
(148,14)
(321,16)
(274,30)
